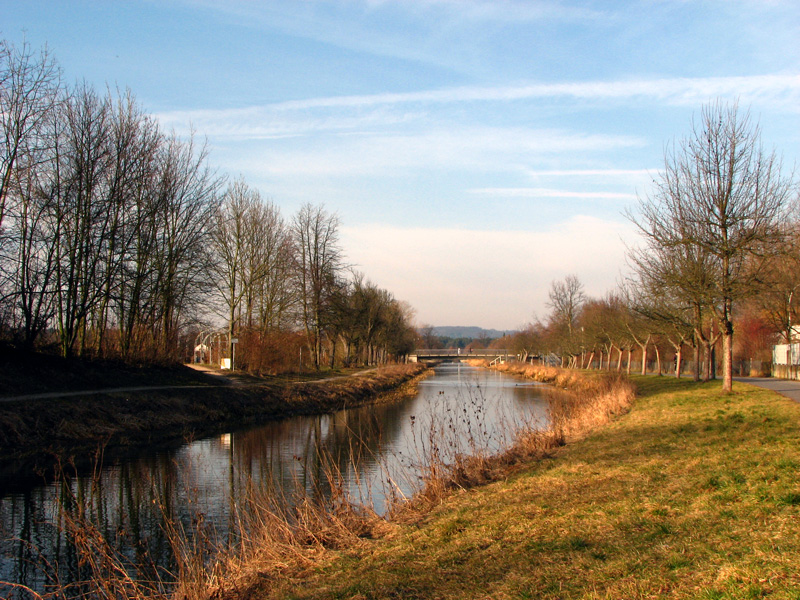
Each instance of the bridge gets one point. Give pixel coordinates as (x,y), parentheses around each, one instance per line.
(460,354)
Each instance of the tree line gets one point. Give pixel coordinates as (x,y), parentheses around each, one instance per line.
(118,239)
(720,252)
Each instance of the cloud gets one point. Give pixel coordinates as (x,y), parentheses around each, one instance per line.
(479,149)
(550,193)
(437,32)
(593,173)
(778,91)
(494,279)
(682,91)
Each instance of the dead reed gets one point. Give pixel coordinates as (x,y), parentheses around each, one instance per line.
(577,403)
(274,536)
(277,535)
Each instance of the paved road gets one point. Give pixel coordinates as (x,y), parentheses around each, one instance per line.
(786,387)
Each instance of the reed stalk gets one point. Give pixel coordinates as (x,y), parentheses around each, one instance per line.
(275,535)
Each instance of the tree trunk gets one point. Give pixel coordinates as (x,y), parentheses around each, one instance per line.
(658,360)
(727,357)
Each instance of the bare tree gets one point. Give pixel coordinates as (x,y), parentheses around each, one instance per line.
(667,315)
(187,191)
(231,247)
(397,336)
(722,197)
(270,296)
(30,257)
(427,336)
(319,261)
(527,342)
(29,90)
(138,145)
(565,300)
(780,300)
(82,163)
(251,257)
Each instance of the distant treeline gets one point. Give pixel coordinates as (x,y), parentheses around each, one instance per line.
(460,337)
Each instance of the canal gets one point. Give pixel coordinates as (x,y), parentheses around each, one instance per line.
(376,454)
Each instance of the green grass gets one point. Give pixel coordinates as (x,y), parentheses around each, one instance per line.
(693,494)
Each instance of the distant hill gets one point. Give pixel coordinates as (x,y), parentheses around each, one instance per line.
(468,332)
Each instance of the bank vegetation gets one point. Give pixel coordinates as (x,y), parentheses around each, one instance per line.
(692,493)
(82,426)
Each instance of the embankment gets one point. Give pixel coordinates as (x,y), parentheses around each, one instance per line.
(578,402)
(692,493)
(74,425)
(272,568)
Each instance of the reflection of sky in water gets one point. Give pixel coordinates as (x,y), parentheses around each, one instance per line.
(461,410)
(377,449)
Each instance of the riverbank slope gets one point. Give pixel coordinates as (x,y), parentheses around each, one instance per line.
(692,494)
(72,425)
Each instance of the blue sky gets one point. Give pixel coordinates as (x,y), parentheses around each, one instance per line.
(474,150)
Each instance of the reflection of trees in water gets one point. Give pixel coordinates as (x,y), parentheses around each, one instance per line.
(303,455)
(126,504)
(208,481)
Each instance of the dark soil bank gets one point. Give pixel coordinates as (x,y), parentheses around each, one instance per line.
(69,426)
(23,373)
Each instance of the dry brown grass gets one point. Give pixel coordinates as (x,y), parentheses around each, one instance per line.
(279,537)
(577,403)
(278,541)
(77,426)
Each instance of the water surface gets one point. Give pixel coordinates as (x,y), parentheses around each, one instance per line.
(379,453)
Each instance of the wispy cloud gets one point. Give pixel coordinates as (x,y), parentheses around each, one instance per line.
(782,90)
(479,149)
(592,173)
(435,32)
(678,91)
(551,193)
(364,112)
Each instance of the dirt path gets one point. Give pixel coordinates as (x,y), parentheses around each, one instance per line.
(229,379)
(144,388)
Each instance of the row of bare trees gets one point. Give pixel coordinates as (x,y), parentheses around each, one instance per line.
(103,216)
(719,214)
(619,332)
(117,238)
(720,246)
(273,276)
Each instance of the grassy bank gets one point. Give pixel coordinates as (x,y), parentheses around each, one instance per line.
(691,494)
(77,424)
